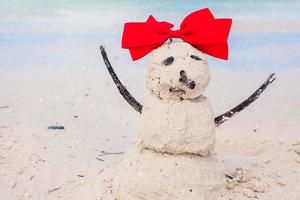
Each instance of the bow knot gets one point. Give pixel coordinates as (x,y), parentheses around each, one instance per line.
(175,34)
(200,29)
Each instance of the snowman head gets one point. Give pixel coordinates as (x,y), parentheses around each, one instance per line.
(178,71)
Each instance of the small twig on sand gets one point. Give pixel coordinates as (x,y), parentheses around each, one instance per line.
(103,153)
(228,176)
(53,190)
(4,107)
(56,127)
(106,153)
(122,89)
(99,159)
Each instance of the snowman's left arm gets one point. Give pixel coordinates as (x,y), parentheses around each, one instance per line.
(224,117)
(122,89)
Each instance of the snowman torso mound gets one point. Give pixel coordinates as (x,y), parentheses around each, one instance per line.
(177,118)
(170,126)
(172,158)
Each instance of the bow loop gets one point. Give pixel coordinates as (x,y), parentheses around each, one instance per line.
(200,29)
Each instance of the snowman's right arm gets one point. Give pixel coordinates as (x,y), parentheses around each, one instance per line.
(122,89)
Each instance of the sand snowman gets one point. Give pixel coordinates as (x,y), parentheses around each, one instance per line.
(172,158)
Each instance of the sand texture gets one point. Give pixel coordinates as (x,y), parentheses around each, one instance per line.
(259,148)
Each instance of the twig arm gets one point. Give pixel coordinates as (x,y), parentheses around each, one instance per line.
(224,117)
(122,89)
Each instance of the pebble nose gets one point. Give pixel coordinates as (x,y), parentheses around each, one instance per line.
(183,78)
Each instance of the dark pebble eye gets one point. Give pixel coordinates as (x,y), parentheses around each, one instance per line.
(169,61)
(195,57)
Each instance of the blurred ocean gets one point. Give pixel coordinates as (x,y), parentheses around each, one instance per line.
(67,33)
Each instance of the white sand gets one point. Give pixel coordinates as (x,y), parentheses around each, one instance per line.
(36,163)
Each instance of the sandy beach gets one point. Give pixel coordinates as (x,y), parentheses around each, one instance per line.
(51,74)
(37,163)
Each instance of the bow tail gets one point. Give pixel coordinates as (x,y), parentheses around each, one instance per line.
(215,50)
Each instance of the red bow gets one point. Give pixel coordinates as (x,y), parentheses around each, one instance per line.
(199,29)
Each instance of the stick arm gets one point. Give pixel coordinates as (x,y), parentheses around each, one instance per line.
(225,116)
(122,89)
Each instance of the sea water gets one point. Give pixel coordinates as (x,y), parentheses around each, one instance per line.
(65,33)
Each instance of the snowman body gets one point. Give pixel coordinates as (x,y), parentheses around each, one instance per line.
(178,127)
(172,157)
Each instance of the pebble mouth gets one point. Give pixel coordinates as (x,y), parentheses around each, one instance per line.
(176,90)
